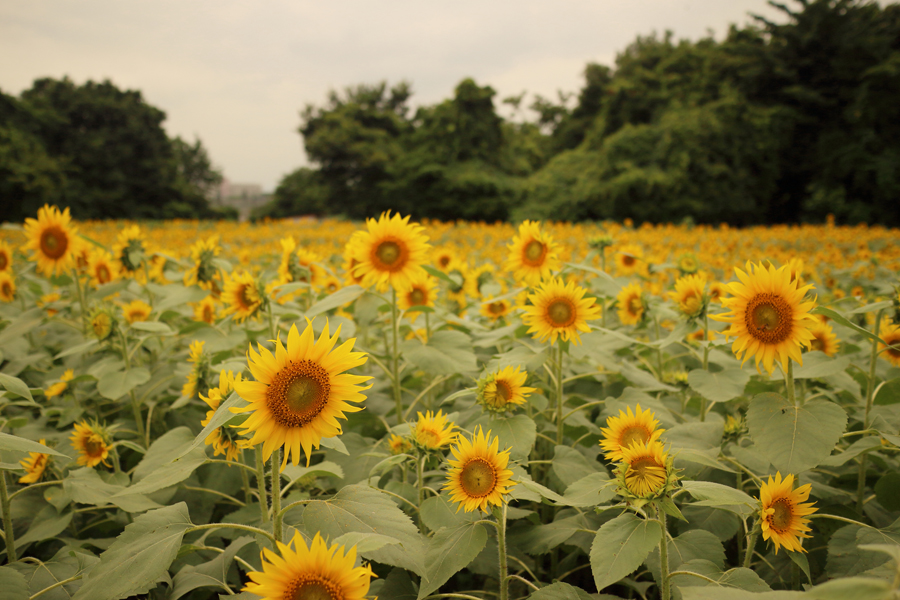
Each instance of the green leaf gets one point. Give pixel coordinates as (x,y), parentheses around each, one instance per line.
(544,492)
(570,465)
(210,574)
(591,490)
(336,300)
(450,551)
(365,542)
(222,415)
(448,352)
(77,349)
(47,524)
(888,392)
(517,433)
(818,365)
(696,592)
(846,558)
(437,512)
(140,557)
(720,386)
(620,546)
(867,308)
(860,446)
(86,487)
(16,386)
(721,496)
(887,490)
(152,327)
(795,438)
(440,275)
(839,318)
(177,296)
(13,584)
(334,443)
(118,383)
(852,588)
(541,539)
(398,586)
(363,509)
(20,444)
(801,561)
(323,469)
(168,474)
(560,591)
(25,322)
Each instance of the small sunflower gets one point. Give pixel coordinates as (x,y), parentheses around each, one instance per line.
(824,339)
(688,263)
(7,286)
(6,257)
(559,310)
(130,251)
(60,386)
(206,310)
(533,255)
(422,291)
(717,291)
(136,310)
(890,333)
(627,429)
(391,251)
(646,468)
(34,465)
(443,258)
(503,390)
(203,271)
(433,432)
(52,239)
(101,267)
(223,440)
(768,316)
(92,444)
(299,264)
(102,323)
(631,304)
(782,509)
(496,309)
(200,374)
(331,284)
(399,445)
(689,295)
(242,296)
(478,476)
(317,572)
(46,302)
(351,252)
(630,260)
(300,392)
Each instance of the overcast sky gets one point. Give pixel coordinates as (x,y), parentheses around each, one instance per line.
(237,73)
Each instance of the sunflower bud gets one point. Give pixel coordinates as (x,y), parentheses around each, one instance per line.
(646,473)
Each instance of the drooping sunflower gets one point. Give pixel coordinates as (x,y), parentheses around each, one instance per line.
(130,252)
(223,439)
(646,468)
(301,391)
(559,310)
(478,476)
(890,333)
(533,255)
(824,339)
(503,390)
(206,310)
(630,300)
(52,239)
(782,509)
(203,271)
(689,295)
(422,291)
(768,316)
(242,296)
(390,251)
(136,310)
(34,465)
(317,572)
(101,267)
(6,256)
(92,443)
(433,431)
(628,428)
(60,386)
(7,286)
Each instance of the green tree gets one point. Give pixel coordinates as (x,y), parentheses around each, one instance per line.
(301,192)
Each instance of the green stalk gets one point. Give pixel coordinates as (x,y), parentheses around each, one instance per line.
(84,326)
(789,383)
(7,521)
(395,356)
(276,494)
(135,403)
(420,486)
(559,396)
(703,406)
(665,592)
(261,484)
(870,392)
(501,551)
(751,544)
(245,479)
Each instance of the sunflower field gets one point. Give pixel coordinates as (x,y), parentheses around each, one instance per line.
(329,410)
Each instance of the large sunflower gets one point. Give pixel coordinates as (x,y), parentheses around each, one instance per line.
(478,476)
(532,254)
(52,239)
(782,512)
(391,251)
(646,468)
(34,466)
(631,304)
(768,316)
(317,572)
(626,429)
(433,431)
(92,444)
(222,439)
(242,296)
(300,392)
(559,310)
(503,390)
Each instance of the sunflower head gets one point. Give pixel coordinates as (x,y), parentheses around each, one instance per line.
(206,310)
(632,304)
(478,476)
(503,390)
(433,432)
(51,238)
(628,428)
(6,257)
(533,255)
(782,510)
(34,465)
(300,392)
(224,440)
(645,472)
(690,295)
(824,339)
(630,260)
(203,271)
(200,375)
(390,251)
(399,445)
(559,311)
(7,286)
(92,442)
(299,264)
(601,242)
(352,251)
(443,258)
(136,310)
(103,324)
(890,333)
(242,296)
(60,386)
(688,263)
(101,267)
(130,250)
(717,291)
(314,572)
(421,290)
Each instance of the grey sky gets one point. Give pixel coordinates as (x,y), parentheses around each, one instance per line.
(237,73)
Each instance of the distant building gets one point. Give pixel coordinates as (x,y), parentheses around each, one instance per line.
(242,196)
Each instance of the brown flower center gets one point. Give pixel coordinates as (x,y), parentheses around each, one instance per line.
(496,308)
(312,587)
(54,242)
(632,435)
(208,313)
(390,255)
(628,260)
(561,312)
(635,305)
(6,290)
(645,466)
(245,297)
(4,260)
(93,445)
(298,393)
(443,261)
(416,297)
(818,344)
(504,392)
(534,253)
(768,318)
(893,345)
(478,478)
(780,520)
(103,275)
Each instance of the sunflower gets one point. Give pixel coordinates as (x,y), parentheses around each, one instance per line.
(331,284)
(399,445)
(890,333)
(351,252)
(478,476)
(200,372)
(559,310)
(422,291)
(101,267)
(102,323)
(6,257)
(433,432)
(631,304)
(47,300)
(136,310)
(130,251)
(533,255)
(60,386)
(627,429)
(300,391)
(203,271)
(222,439)
(782,509)
(688,263)
(717,291)
(443,258)
(503,390)
(768,316)
(689,295)
(630,260)
(92,444)
(34,465)
(391,251)
(51,237)
(464,285)
(496,309)
(7,287)
(242,296)
(299,264)
(646,469)
(824,339)
(206,310)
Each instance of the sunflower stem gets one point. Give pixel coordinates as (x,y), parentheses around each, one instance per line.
(135,403)
(420,486)
(272,330)
(80,292)
(261,484)
(659,356)
(245,479)
(751,544)
(501,551)
(276,494)
(789,383)
(7,521)
(559,396)
(870,389)
(395,357)
(665,592)
(703,406)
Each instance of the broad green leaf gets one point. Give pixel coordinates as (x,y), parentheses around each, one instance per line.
(86,487)
(118,383)
(210,574)
(696,592)
(739,578)
(13,584)
(517,433)
(720,386)
(440,275)
(438,512)
(450,551)
(48,523)
(336,300)
(64,565)
(168,474)
(846,558)
(570,465)
(860,446)
(164,449)
(691,548)
(887,490)
(795,438)
(155,327)
(359,508)
(541,539)
(16,386)
(875,306)
(888,392)
(323,469)
(544,492)
(799,559)
(560,591)
(592,490)
(140,557)
(707,458)
(722,496)
(448,352)
(20,444)
(818,365)
(365,542)
(852,588)
(620,546)
(22,324)
(177,296)
(839,318)
(334,443)
(77,349)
